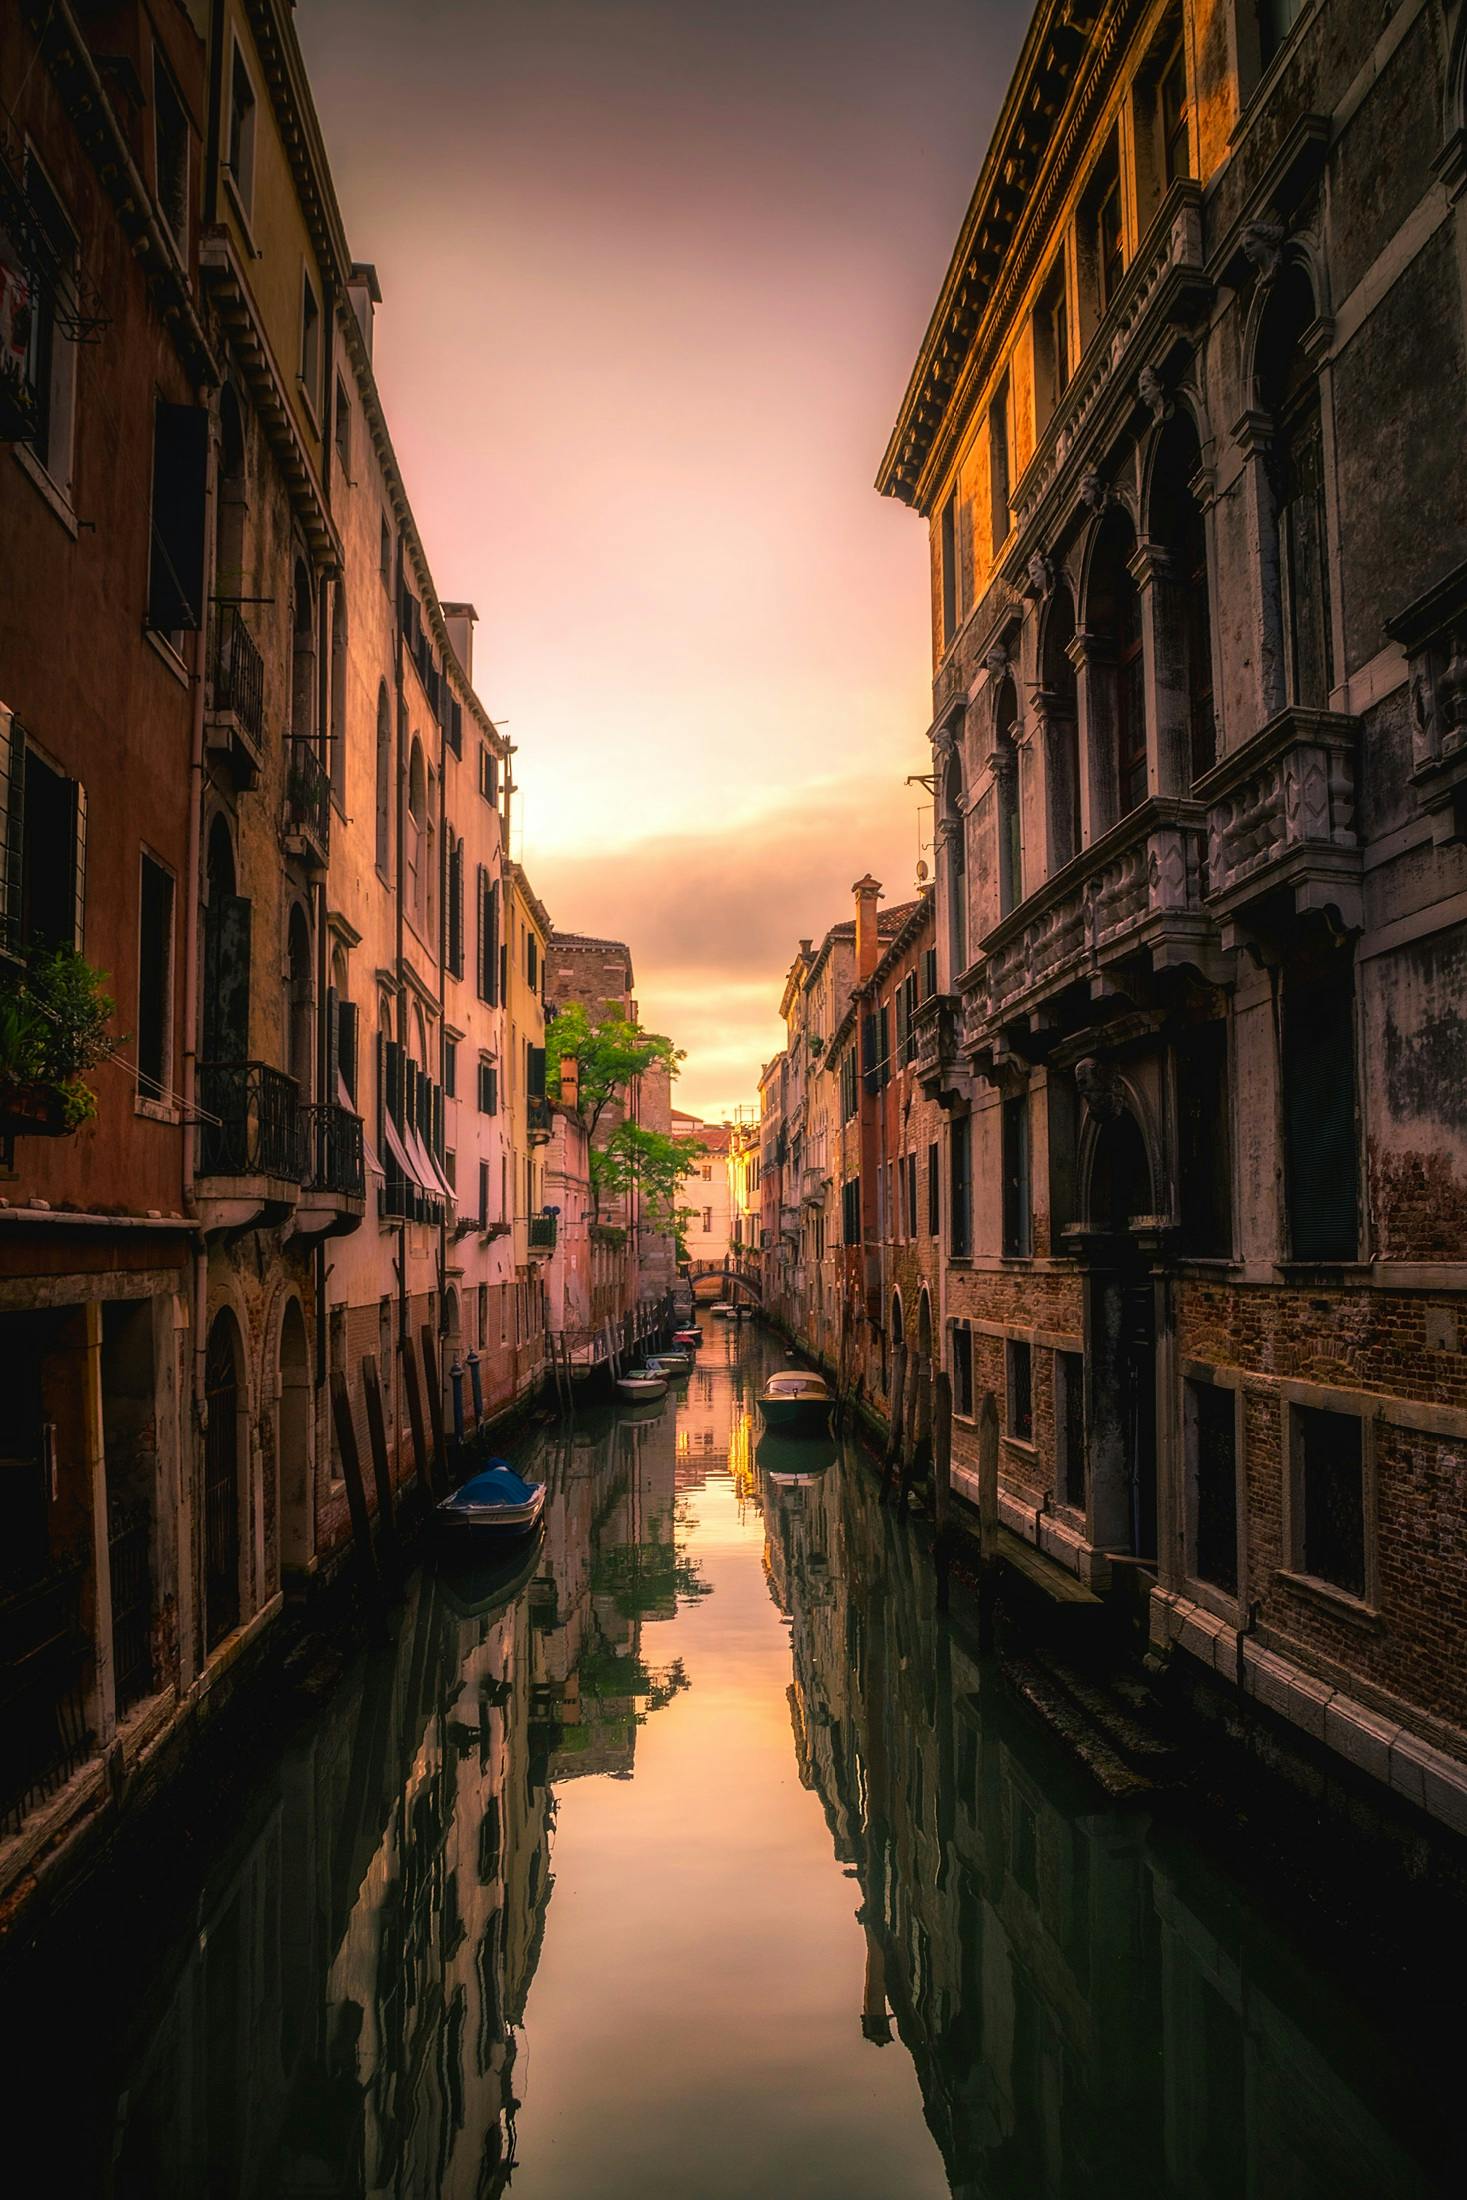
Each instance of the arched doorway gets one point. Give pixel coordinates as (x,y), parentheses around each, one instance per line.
(294,1443)
(1120,1308)
(223,1389)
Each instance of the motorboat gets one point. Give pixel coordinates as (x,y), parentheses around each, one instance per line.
(495,1502)
(670,1363)
(689,1339)
(723,1310)
(639,1387)
(797,1402)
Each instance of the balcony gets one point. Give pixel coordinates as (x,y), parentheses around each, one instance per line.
(789,1222)
(538,1119)
(307,804)
(234,724)
(1281,839)
(1135,895)
(250,1160)
(334,1172)
(543,1233)
(814,1184)
(937,1034)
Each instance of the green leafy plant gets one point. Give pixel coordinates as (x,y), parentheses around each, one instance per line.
(54,1018)
(609,1056)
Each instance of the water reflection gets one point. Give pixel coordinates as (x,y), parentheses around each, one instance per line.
(935,1962)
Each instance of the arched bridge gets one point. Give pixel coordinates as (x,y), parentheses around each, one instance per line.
(711,1280)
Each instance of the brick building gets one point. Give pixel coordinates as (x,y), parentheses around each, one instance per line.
(1187,430)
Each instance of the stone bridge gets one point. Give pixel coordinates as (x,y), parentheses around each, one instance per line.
(711,1280)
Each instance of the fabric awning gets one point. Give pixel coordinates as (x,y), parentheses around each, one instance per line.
(397,1147)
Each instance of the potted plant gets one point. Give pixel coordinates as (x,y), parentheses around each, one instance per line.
(54,1016)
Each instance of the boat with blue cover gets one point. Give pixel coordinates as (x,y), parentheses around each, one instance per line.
(495,1502)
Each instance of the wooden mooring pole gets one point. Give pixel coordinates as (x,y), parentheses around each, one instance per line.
(987,1517)
(893,1451)
(942,1476)
(356,1494)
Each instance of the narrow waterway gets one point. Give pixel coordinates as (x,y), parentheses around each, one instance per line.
(691,1855)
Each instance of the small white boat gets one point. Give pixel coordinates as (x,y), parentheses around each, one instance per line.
(797,1402)
(688,1339)
(723,1310)
(669,1363)
(641,1389)
(495,1502)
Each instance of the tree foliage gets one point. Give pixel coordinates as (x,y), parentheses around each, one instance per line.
(609,1056)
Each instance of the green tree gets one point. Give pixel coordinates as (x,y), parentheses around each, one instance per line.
(609,1055)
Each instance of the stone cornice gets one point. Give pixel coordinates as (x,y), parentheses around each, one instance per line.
(285,73)
(1064,70)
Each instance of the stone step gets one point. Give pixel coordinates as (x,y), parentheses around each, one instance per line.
(1064,1717)
(1110,1704)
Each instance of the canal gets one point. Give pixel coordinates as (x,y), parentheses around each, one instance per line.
(693,1856)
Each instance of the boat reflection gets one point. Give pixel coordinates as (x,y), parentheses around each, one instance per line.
(794,1459)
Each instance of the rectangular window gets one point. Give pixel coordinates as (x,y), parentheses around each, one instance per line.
(849,1085)
(1110,253)
(929,972)
(450,1069)
(453,914)
(911,1169)
(934,1191)
(483,1201)
(1329,1466)
(1321,1151)
(488,971)
(384,554)
(176,536)
(1051,346)
(532,961)
(155,980)
(1069,1423)
(346,1046)
(961,1355)
(450,1167)
(488,1088)
(1019,1359)
(43,844)
(1276,18)
(1204,1161)
(999,464)
(1212,1460)
(50,356)
(960,1154)
(488,774)
(170,153)
(850,1209)
(951,581)
(341,427)
(1172,119)
(240,156)
(1018,1234)
(310,356)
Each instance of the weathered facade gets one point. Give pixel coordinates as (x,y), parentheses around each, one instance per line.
(1187,428)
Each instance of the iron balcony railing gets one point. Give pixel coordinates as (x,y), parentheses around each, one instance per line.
(239,671)
(333,1156)
(307,794)
(542,1233)
(45,1660)
(251,1121)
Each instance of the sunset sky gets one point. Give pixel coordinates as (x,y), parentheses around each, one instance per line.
(654,274)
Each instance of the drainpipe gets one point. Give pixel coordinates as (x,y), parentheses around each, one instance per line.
(324,658)
(400,810)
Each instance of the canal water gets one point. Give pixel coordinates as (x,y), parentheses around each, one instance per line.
(690,1854)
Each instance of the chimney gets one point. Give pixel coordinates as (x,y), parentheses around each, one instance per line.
(867,891)
(570,1082)
(365,293)
(461,619)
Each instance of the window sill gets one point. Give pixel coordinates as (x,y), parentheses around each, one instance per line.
(50,491)
(156,1111)
(960,1260)
(165,649)
(1342,1602)
(1025,1444)
(1324,1271)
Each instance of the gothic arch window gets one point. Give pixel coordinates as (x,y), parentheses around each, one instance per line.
(1183,627)
(956,859)
(416,852)
(1062,739)
(1288,393)
(336,761)
(1006,791)
(1117,673)
(384,780)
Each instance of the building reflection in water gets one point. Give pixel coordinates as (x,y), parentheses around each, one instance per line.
(1090,2008)
(344,2016)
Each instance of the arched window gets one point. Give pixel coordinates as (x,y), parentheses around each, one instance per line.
(1006,789)
(384,781)
(1118,681)
(955,828)
(302,656)
(1289,394)
(1184,629)
(1061,716)
(336,761)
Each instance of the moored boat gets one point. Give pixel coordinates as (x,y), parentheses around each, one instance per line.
(494,1503)
(640,1389)
(689,1339)
(722,1310)
(671,1362)
(796,1402)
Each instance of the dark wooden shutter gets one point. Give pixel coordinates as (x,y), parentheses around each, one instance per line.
(176,551)
(227,979)
(346,1044)
(535,1060)
(868,1052)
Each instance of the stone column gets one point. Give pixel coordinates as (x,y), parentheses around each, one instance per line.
(1162,593)
(1253,434)
(1094,675)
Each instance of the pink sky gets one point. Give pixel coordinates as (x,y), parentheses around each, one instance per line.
(654,275)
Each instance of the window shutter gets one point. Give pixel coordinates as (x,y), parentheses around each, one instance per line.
(868,1052)
(883,1047)
(483,1195)
(333,1041)
(176,559)
(535,1062)
(346,1044)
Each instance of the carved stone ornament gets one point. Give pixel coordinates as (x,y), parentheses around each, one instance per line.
(1094,494)
(944,741)
(1152,392)
(1263,246)
(1040,576)
(1100,1089)
(996,663)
